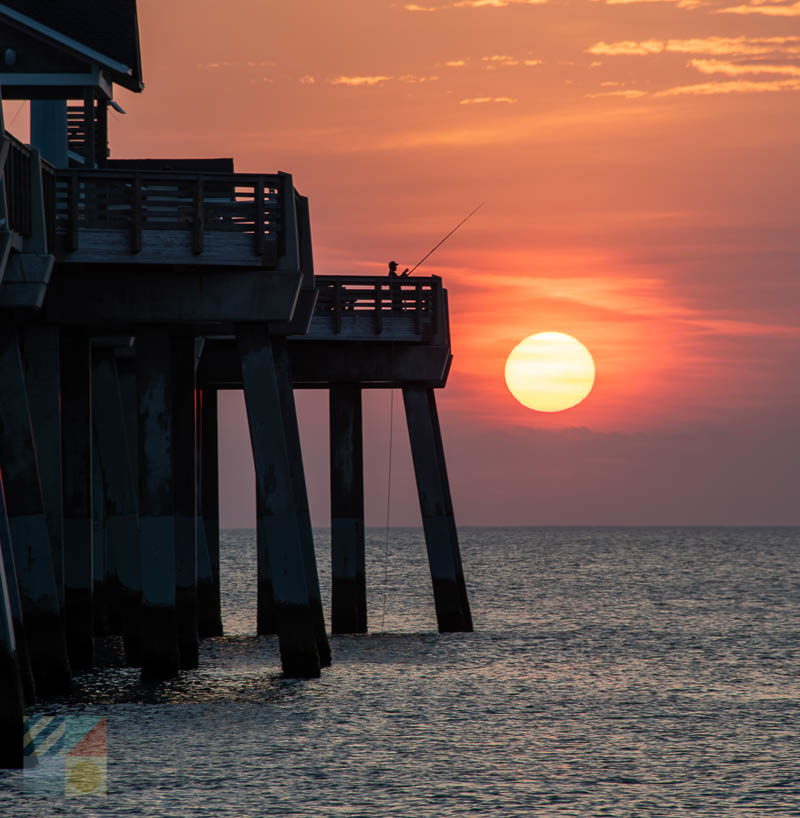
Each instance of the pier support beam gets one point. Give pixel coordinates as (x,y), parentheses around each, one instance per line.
(7,565)
(119,503)
(40,353)
(101,596)
(76,453)
(159,634)
(348,576)
(449,591)
(44,625)
(278,528)
(281,355)
(12,705)
(184,475)
(208,593)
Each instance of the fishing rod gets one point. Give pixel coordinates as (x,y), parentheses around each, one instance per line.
(437,246)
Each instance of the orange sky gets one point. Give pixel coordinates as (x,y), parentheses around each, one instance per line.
(639,164)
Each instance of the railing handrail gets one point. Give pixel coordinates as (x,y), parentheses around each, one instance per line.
(125,174)
(345,297)
(256,205)
(358,280)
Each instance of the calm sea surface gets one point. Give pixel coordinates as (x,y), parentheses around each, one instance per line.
(621,672)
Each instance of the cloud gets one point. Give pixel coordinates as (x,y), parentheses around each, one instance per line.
(484,100)
(683,4)
(627,48)
(730,69)
(455,63)
(732,87)
(718,46)
(626,93)
(359,81)
(766,8)
(307,79)
(475,4)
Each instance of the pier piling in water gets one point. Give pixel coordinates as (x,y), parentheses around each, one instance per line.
(121,518)
(280,349)
(441,538)
(278,529)
(348,571)
(12,589)
(184,475)
(159,628)
(44,625)
(76,453)
(12,704)
(208,592)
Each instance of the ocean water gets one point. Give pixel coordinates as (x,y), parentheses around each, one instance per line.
(612,672)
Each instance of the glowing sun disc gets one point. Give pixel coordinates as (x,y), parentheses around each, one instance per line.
(550,372)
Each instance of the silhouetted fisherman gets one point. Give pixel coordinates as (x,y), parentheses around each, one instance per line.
(396,291)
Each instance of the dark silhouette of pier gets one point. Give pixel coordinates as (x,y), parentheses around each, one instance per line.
(131,291)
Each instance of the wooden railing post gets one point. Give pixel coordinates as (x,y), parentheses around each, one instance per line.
(258,217)
(136,215)
(337,307)
(378,308)
(198,222)
(73,195)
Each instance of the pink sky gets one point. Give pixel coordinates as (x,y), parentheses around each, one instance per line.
(639,164)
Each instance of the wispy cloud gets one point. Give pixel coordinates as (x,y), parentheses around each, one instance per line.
(485,100)
(475,4)
(307,79)
(732,87)
(730,69)
(763,7)
(359,81)
(626,93)
(717,46)
(683,4)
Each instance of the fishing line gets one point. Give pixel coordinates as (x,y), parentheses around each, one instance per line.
(437,246)
(388,501)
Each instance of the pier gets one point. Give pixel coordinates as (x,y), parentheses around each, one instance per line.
(131,292)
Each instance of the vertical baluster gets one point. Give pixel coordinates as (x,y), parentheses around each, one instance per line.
(258,220)
(378,309)
(198,224)
(73,194)
(337,307)
(136,215)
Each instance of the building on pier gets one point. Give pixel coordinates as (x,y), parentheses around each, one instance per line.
(131,291)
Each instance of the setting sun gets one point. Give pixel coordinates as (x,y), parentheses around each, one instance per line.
(550,372)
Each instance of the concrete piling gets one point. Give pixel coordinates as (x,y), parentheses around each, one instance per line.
(44,626)
(444,556)
(12,705)
(24,661)
(101,596)
(76,453)
(159,635)
(120,503)
(40,346)
(208,595)
(281,356)
(348,583)
(277,517)
(184,475)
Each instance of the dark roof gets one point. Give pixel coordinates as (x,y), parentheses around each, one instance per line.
(110,27)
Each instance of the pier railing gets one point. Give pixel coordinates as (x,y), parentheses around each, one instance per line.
(17,175)
(362,307)
(166,217)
